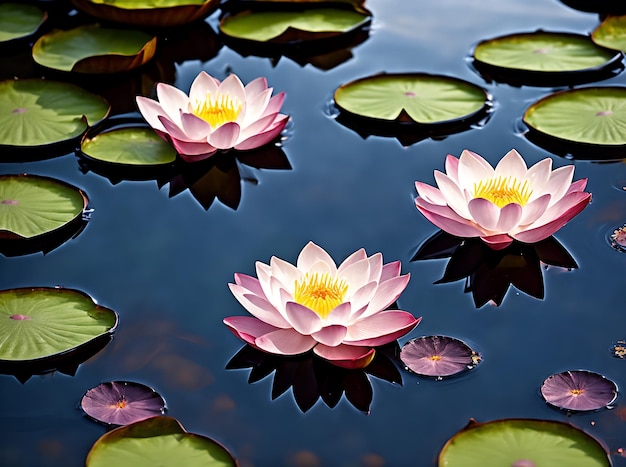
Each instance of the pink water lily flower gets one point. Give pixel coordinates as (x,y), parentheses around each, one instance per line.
(339,312)
(216,115)
(510,202)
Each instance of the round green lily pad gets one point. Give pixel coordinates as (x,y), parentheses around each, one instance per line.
(37,323)
(18,20)
(41,112)
(611,33)
(151,13)
(159,440)
(593,115)
(94,49)
(412,98)
(289,27)
(522,443)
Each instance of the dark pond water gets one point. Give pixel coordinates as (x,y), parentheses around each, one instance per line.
(164,264)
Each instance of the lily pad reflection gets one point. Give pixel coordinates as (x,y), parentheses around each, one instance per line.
(312,378)
(579,390)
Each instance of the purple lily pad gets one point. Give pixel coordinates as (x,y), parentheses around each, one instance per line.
(438,356)
(579,390)
(122,403)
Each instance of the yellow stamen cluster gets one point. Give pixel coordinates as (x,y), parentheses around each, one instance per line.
(503,190)
(320,292)
(576,392)
(435,358)
(119,404)
(217,110)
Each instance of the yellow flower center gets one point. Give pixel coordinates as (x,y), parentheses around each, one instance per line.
(576,392)
(217,110)
(435,358)
(119,404)
(503,190)
(320,292)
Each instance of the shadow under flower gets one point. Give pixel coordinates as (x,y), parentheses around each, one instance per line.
(313,378)
(488,273)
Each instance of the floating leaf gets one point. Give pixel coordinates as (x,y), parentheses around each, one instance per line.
(93,49)
(122,402)
(593,115)
(522,443)
(157,441)
(286,27)
(412,98)
(579,390)
(438,356)
(41,112)
(152,13)
(543,58)
(611,33)
(37,323)
(18,20)
(618,239)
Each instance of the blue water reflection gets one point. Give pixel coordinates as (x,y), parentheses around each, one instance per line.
(164,263)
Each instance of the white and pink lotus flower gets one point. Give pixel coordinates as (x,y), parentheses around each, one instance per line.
(510,202)
(338,311)
(215,116)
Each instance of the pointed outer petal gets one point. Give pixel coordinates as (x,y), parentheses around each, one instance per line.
(256,86)
(312,254)
(358,255)
(448,220)
(512,165)
(264,273)
(381,328)
(234,87)
(340,314)
(279,295)
(346,356)
(275,103)
(532,211)
(472,168)
(484,213)
(376,266)
(538,175)
(497,242)
(203,84)
(578,185)
(194,127)
(172,100)
(257,127)
(303,319)
(249,283)
(175,131)
(559,183)
(265,137)
(197,151)
(361,299)
(430,193)
(226,136)
(150,110)
(386,293)
(259,307)
(321,268)
(572,204)
(452,194)
(248,328)
(332,335)
(452,168)
(390,270)
(285,272)
(510,216)
(356,275)
(285,342)
(254,107)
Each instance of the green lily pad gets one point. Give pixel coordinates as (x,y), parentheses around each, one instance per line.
(151,13)
(522,443)
(18,20)
(611,33)
(286,27)
(155,441)
(93,49)
(41,112)
(593,115)
(41,323)
(412,98)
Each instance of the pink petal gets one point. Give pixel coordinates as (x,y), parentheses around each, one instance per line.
(332,335)
(150,110)
(381,328)
(346,356)
(578,185)
(285,342)
(250,283)
(376,266)
(389,271)
(194,127)
(203,84)
(387,293)
(452,193)
(258,307)
(176,132)
(539,174)
(275,103)
(265,137)
(255,107)
(473,168)
(560,181)
(312,254)
(256,86)
(358,255)
(452,168)
(225,137)
(303,319)
(340,314)
(233,86)
(511,165)
(534,210)
(356,275)
(193,151)
(484,213)
(497,242)
(510,216)
(247,328)
(430,193)
(447,220)
(259,126)
(360,299)
(172,100)
(285,272)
